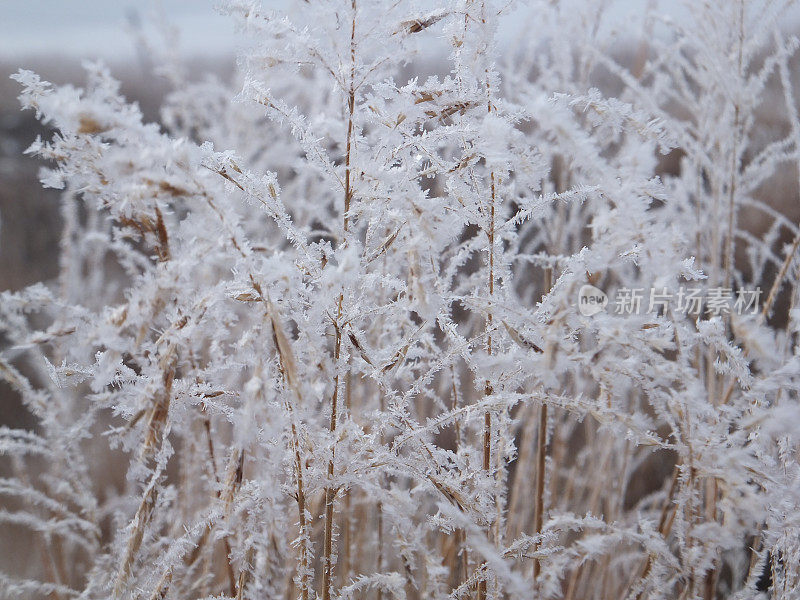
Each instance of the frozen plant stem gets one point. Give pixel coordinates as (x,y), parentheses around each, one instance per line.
(538,506)
(541,449)
(487,419)
(712,492)
(330,492)
(732,183)
(287,362)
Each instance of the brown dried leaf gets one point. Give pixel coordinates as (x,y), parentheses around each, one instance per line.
(88,125)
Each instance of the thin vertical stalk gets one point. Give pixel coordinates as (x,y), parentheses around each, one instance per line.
(541,452)
(347,542)
(732,183)
(710,590)
(379,558)
(287,362)
(488,389)
(301,509)
(538,505)
(329,491)
(517,503)
(348,194)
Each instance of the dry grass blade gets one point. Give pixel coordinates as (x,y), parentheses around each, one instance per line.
(412,26)
(384,246)
(779,278)
(288,366)
(357,345)
(138,526)
(520,340)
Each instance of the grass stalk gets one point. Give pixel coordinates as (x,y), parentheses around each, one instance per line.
(348,195)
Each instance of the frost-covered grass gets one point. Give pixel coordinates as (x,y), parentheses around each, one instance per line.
(326,316)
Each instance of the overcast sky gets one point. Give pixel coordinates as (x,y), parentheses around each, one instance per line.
(99,28)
